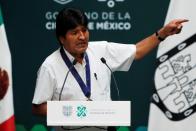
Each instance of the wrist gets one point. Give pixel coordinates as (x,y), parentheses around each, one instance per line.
(160,35)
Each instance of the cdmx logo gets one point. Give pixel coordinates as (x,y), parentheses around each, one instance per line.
(81,111)
(63,2)
(111,3)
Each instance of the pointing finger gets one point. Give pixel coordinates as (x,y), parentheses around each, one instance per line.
(181,21)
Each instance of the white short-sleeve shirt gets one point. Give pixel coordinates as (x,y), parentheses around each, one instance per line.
(52,72)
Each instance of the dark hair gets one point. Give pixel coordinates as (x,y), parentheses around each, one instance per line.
(69,18)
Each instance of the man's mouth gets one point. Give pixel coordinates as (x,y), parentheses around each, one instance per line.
(81,44)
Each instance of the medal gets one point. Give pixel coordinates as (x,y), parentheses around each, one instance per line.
(86,88)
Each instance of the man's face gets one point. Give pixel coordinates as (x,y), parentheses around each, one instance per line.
(76,40)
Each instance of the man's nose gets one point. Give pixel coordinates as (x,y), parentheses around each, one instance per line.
(81,35)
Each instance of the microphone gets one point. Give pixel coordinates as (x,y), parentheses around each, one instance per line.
(73,63)
(115,83)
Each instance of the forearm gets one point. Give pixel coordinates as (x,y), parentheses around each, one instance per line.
(40,109)
(146,45)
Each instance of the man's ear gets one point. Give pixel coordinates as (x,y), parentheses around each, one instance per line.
(62,39)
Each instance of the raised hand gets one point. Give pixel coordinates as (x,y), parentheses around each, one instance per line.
(173,27)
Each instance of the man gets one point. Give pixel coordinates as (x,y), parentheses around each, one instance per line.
(89,78)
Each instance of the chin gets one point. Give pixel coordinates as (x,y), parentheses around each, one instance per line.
(82,49)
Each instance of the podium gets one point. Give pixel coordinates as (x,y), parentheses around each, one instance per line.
(88,113)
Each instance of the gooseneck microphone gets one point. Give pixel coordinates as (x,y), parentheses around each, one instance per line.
(73,63)
(115,83)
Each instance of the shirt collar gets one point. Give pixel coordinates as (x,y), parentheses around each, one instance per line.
(71,58)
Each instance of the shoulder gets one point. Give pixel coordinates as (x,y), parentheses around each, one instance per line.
(52,59)
(97,43)
(108,45)
(97,46)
